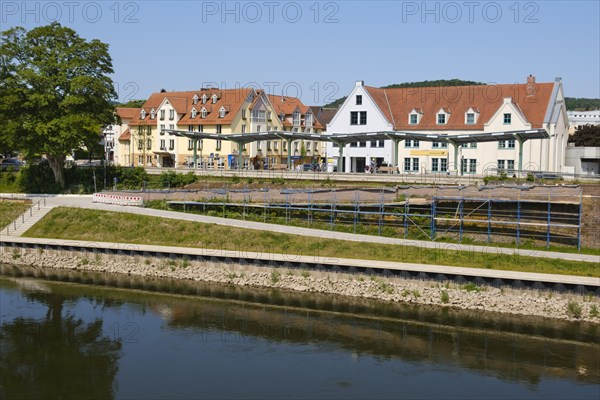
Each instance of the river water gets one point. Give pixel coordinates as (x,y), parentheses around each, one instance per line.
(82,335)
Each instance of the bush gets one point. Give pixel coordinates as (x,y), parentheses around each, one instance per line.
(574,309)
(445,297)
(37,179)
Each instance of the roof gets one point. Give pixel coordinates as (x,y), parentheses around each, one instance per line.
(231,99)
(125,136)
(126,112)
(397,103)
(365,136)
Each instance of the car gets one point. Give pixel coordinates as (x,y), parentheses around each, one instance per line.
(311,167)
(10,164)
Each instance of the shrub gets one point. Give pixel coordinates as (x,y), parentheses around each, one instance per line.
(275,276)
(594,311)
(445,297)
(574,309)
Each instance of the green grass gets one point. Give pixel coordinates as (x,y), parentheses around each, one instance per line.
(95,225)
(9,210)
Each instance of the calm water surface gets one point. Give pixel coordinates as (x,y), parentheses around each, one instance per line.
(81,335)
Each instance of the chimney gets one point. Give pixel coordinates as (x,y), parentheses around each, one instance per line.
(531,79)
(359,83)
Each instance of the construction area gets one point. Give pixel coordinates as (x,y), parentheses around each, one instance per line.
(521,215)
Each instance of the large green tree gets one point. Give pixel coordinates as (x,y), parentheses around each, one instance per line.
(586,135)
(55,92)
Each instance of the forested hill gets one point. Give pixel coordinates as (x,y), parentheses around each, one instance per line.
(573,103)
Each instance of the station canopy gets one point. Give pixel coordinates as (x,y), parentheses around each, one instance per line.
(346,138)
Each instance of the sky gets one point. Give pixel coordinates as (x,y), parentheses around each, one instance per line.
(316,50)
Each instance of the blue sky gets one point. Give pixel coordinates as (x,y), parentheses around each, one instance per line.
(317,49)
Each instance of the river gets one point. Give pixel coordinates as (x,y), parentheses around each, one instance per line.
(70,334)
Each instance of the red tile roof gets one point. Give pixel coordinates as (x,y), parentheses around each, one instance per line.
(397,103)
(125,136)
(126,112)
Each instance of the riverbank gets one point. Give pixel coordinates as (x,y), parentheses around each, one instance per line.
(391,289)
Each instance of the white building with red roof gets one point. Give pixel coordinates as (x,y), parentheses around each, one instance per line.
(454,111)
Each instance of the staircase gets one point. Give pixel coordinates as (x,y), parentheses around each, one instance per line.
(27,219)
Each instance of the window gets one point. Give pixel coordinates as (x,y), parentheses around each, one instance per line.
(142,114)
(162,114)
(285,146)
(194,113)
(415,164)
(501,165)
(162,129)
(200,128)
(171,114)
(218,148)
(414,118)
(204,98)
(268,145)
(190,128)
(243,128)
(469,166)
(411,164)
(140,159)
(171,126)
(439,165)
(362,144)
(507,118)
(214,98)
(190,144)
(222,113)
(195,99)
(510,164)
(171,144)
(203,112)
(309,119)
(275,145)
(140,144)
(442,145)
(353,117)
(219,128)
(472,145)
(258,128)
(470,118)
(506,144)
(363,118)
(162,144)
(359,100)
(441,118)
(411,143)
(354,144)
(152,114)
(296,118)
(149,144)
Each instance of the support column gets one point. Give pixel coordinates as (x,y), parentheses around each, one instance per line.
(396,162)
(240,156)
(455,145)
(341,157)
(521,141)
(195,154)
(289,151)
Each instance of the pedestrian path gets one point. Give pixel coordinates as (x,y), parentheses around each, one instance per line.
(85,201)
(26,220)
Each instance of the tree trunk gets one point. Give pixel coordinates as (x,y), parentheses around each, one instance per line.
(57,164)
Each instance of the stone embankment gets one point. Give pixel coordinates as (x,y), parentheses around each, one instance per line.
(448,294)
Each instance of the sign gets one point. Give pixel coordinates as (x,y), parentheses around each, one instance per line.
(443,153)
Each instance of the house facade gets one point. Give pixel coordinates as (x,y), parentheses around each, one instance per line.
(449,111)
(212,110)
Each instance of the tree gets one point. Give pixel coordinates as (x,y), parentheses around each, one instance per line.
(586,135)
(55,92)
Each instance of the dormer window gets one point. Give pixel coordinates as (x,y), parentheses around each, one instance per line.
(296,118)
(414,117)
(204,98)
(152,114)
(309,120)
(441,118)
(222,112)
(143,114)
(203,112)
(195,99)
(214,98)
(282,116)
(471,116)
(194,113)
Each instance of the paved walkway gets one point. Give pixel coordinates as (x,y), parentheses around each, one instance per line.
(85,201)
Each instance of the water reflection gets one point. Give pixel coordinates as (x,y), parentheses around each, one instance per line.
(57,356)
(516,350)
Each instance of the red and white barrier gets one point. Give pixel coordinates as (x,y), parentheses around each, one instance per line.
(120,200)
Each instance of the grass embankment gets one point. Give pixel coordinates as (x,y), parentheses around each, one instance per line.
(105,226)
(9,210)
